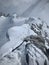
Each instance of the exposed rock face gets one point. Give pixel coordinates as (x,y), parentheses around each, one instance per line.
(28,45)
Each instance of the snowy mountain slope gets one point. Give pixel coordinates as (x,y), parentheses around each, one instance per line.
(16,36)
(5,24)
(8,22)
(11,59)
(35,56)
(30,41)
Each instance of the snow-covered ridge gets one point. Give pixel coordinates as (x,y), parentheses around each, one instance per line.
(16,36)
(29,40)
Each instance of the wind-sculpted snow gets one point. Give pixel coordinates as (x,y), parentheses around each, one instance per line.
(28,43)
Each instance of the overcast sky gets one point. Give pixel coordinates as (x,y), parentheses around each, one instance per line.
(17,6)
(13,5)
